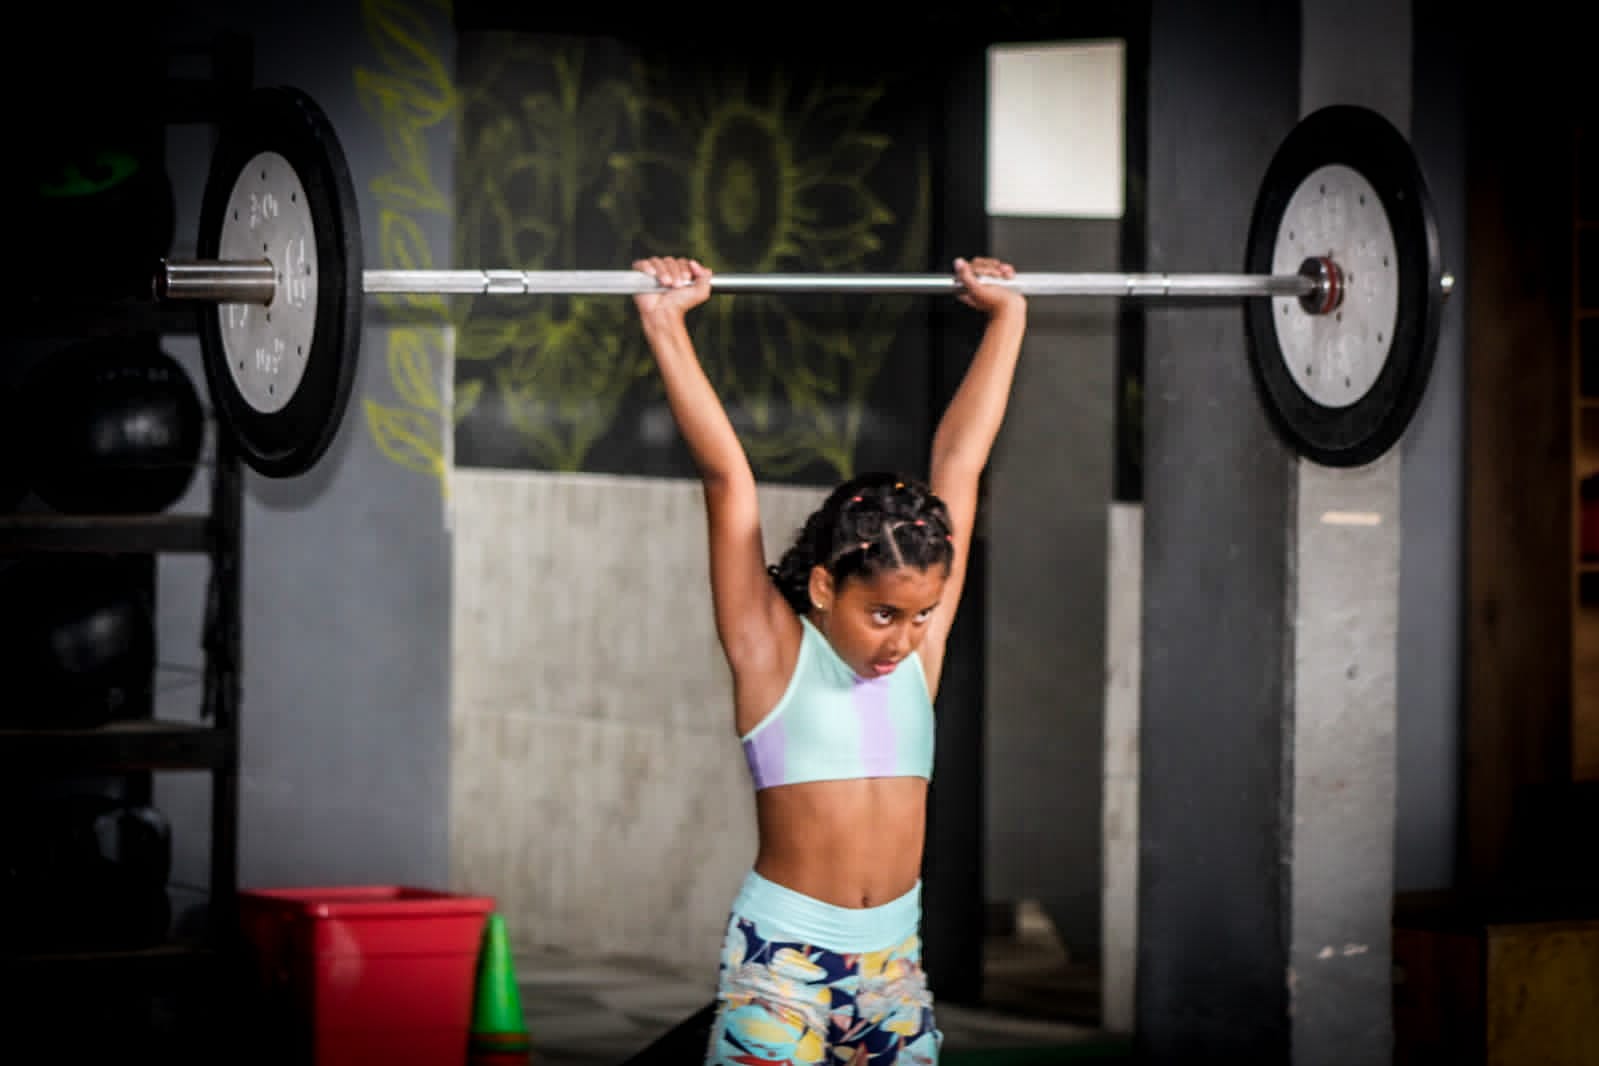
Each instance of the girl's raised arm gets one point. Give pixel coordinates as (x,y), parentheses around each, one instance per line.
(748,608)
(966,432)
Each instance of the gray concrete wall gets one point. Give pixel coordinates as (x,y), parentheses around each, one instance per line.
(1049,487)
(345,718)
(1118,900)
(597,782)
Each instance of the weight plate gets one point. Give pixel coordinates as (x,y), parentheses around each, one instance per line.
(279,188)
(1341,388)
(1336,357)
(268,218)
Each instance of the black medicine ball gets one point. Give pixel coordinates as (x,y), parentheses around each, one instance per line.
(110,426)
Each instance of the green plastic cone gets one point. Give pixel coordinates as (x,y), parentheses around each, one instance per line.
(498,1026)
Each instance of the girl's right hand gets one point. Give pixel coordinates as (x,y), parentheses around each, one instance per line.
(684,284)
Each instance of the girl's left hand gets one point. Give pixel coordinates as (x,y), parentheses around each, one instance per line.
(986,298)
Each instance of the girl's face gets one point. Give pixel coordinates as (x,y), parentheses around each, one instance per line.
(873,623)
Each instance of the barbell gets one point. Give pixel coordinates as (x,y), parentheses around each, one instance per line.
(1343,283)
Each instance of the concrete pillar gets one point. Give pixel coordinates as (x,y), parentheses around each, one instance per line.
(1267,737)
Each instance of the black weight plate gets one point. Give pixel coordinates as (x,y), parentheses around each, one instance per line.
(1369,144)
(289,441)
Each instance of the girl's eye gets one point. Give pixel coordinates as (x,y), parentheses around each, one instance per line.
(882,617)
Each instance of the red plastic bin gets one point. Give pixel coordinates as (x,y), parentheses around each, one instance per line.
(365,974)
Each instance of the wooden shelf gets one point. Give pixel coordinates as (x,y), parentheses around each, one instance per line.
(131,534)
(133,745)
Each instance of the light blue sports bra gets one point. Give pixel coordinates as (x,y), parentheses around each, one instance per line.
(831,724)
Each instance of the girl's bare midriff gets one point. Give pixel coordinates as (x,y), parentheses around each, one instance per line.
(854,843)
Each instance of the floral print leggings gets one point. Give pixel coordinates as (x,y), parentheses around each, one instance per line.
(785,1003)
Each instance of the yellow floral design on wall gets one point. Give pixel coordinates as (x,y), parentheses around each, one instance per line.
(539,188)
(409,92)
(779,180)
(584,153)
(574,153)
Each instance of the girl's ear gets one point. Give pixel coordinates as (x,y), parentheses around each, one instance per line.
(821,588)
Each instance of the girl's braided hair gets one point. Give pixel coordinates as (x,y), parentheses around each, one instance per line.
(870,523)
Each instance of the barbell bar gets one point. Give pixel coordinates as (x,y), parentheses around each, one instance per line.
(254,281)
(1343,283)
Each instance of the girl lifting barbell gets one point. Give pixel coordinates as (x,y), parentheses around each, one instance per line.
(836,652)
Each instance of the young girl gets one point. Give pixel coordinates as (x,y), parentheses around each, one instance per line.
(835,653)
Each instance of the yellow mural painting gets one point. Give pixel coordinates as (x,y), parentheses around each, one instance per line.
(408,92)
(561,148)
(780,180)
(542,164)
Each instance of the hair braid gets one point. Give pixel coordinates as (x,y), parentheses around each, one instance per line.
(868,524)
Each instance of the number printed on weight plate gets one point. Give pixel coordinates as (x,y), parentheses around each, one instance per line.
(269,357)
(296,272)
(262,207)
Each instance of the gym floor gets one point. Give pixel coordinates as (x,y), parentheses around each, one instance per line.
(1037,1002)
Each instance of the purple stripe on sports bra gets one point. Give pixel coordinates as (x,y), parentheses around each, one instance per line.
(878,754)
(764,752)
